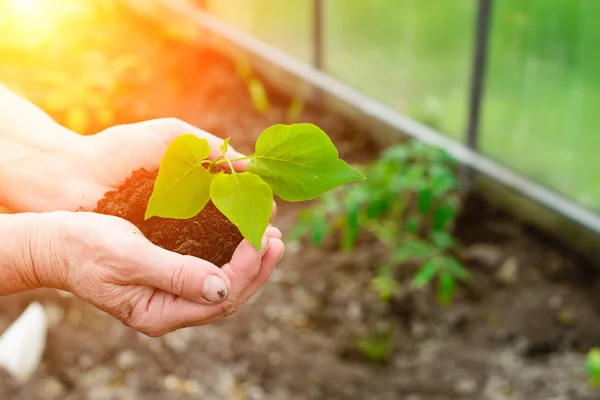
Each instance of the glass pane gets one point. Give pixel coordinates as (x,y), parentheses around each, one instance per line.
(542,106)
(285,24)
(414,55)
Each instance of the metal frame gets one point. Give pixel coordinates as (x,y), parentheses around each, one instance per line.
(477,82)
(318,34)
(383,113)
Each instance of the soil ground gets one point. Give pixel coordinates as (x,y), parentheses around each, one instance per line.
(520,331)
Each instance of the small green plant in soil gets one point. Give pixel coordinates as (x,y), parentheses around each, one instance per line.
(260,98)
(409,203)
(592,367)
(294,162)
(377,346)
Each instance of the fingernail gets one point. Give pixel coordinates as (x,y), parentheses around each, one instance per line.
(214,289)
(265,243)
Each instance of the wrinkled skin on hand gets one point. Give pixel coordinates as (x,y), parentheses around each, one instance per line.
(103,259)
(107,262)
(76,173)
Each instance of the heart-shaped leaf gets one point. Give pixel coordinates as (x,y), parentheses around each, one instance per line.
(299,162)
(246,200)
(182,187)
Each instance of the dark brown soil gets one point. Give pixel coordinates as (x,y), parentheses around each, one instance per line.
(209,235)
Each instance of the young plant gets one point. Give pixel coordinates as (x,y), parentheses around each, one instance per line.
(592,367)
(259,97)
(294,162)
(409,204)
(377,346)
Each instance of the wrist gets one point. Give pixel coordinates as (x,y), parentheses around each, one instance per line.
(16,270)
(30,258)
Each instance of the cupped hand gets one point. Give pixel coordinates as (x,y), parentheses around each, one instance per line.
(107,262)
(74,172)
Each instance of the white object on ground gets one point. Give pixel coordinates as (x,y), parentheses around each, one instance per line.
(22,344)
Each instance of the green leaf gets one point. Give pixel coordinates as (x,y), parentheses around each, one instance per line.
(412,249)
(351,207)
(377,208)
(294,111)
(225,145)
(385,285)
(412,225)
(420,149)
(442,156)
(425,274)
(398,153)
(352,226)
(592,366)
(319,229)
(385,231)
(443,179)
(457,269)
(378,346)
(441,216)
(442,239)
(415,175)
(299,162)
(446,287)
(182,187)
(258,95)
(246,200)
(425,199)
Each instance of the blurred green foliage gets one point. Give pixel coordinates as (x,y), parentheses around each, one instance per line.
(408,203)
(377,346)
(542,83)
(260,98)
(592,367)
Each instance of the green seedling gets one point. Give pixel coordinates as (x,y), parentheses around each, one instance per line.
(378,346)
(409,204)
(448,272)
(296,162)
(259,96)
(592,367)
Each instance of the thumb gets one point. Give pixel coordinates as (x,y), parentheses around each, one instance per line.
(189,277)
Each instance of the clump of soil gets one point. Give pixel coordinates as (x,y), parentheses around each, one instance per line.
(209,235)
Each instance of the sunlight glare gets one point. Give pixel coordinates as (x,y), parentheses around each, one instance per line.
(28,24)
(23,6)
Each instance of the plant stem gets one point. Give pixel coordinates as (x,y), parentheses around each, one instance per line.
(211,166)
(224,159)
(230,165)
(234,159)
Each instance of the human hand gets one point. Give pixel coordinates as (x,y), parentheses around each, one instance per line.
(74,172)
(46,167)
(107,262)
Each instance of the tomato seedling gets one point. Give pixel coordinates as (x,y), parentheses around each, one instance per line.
(295,162)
